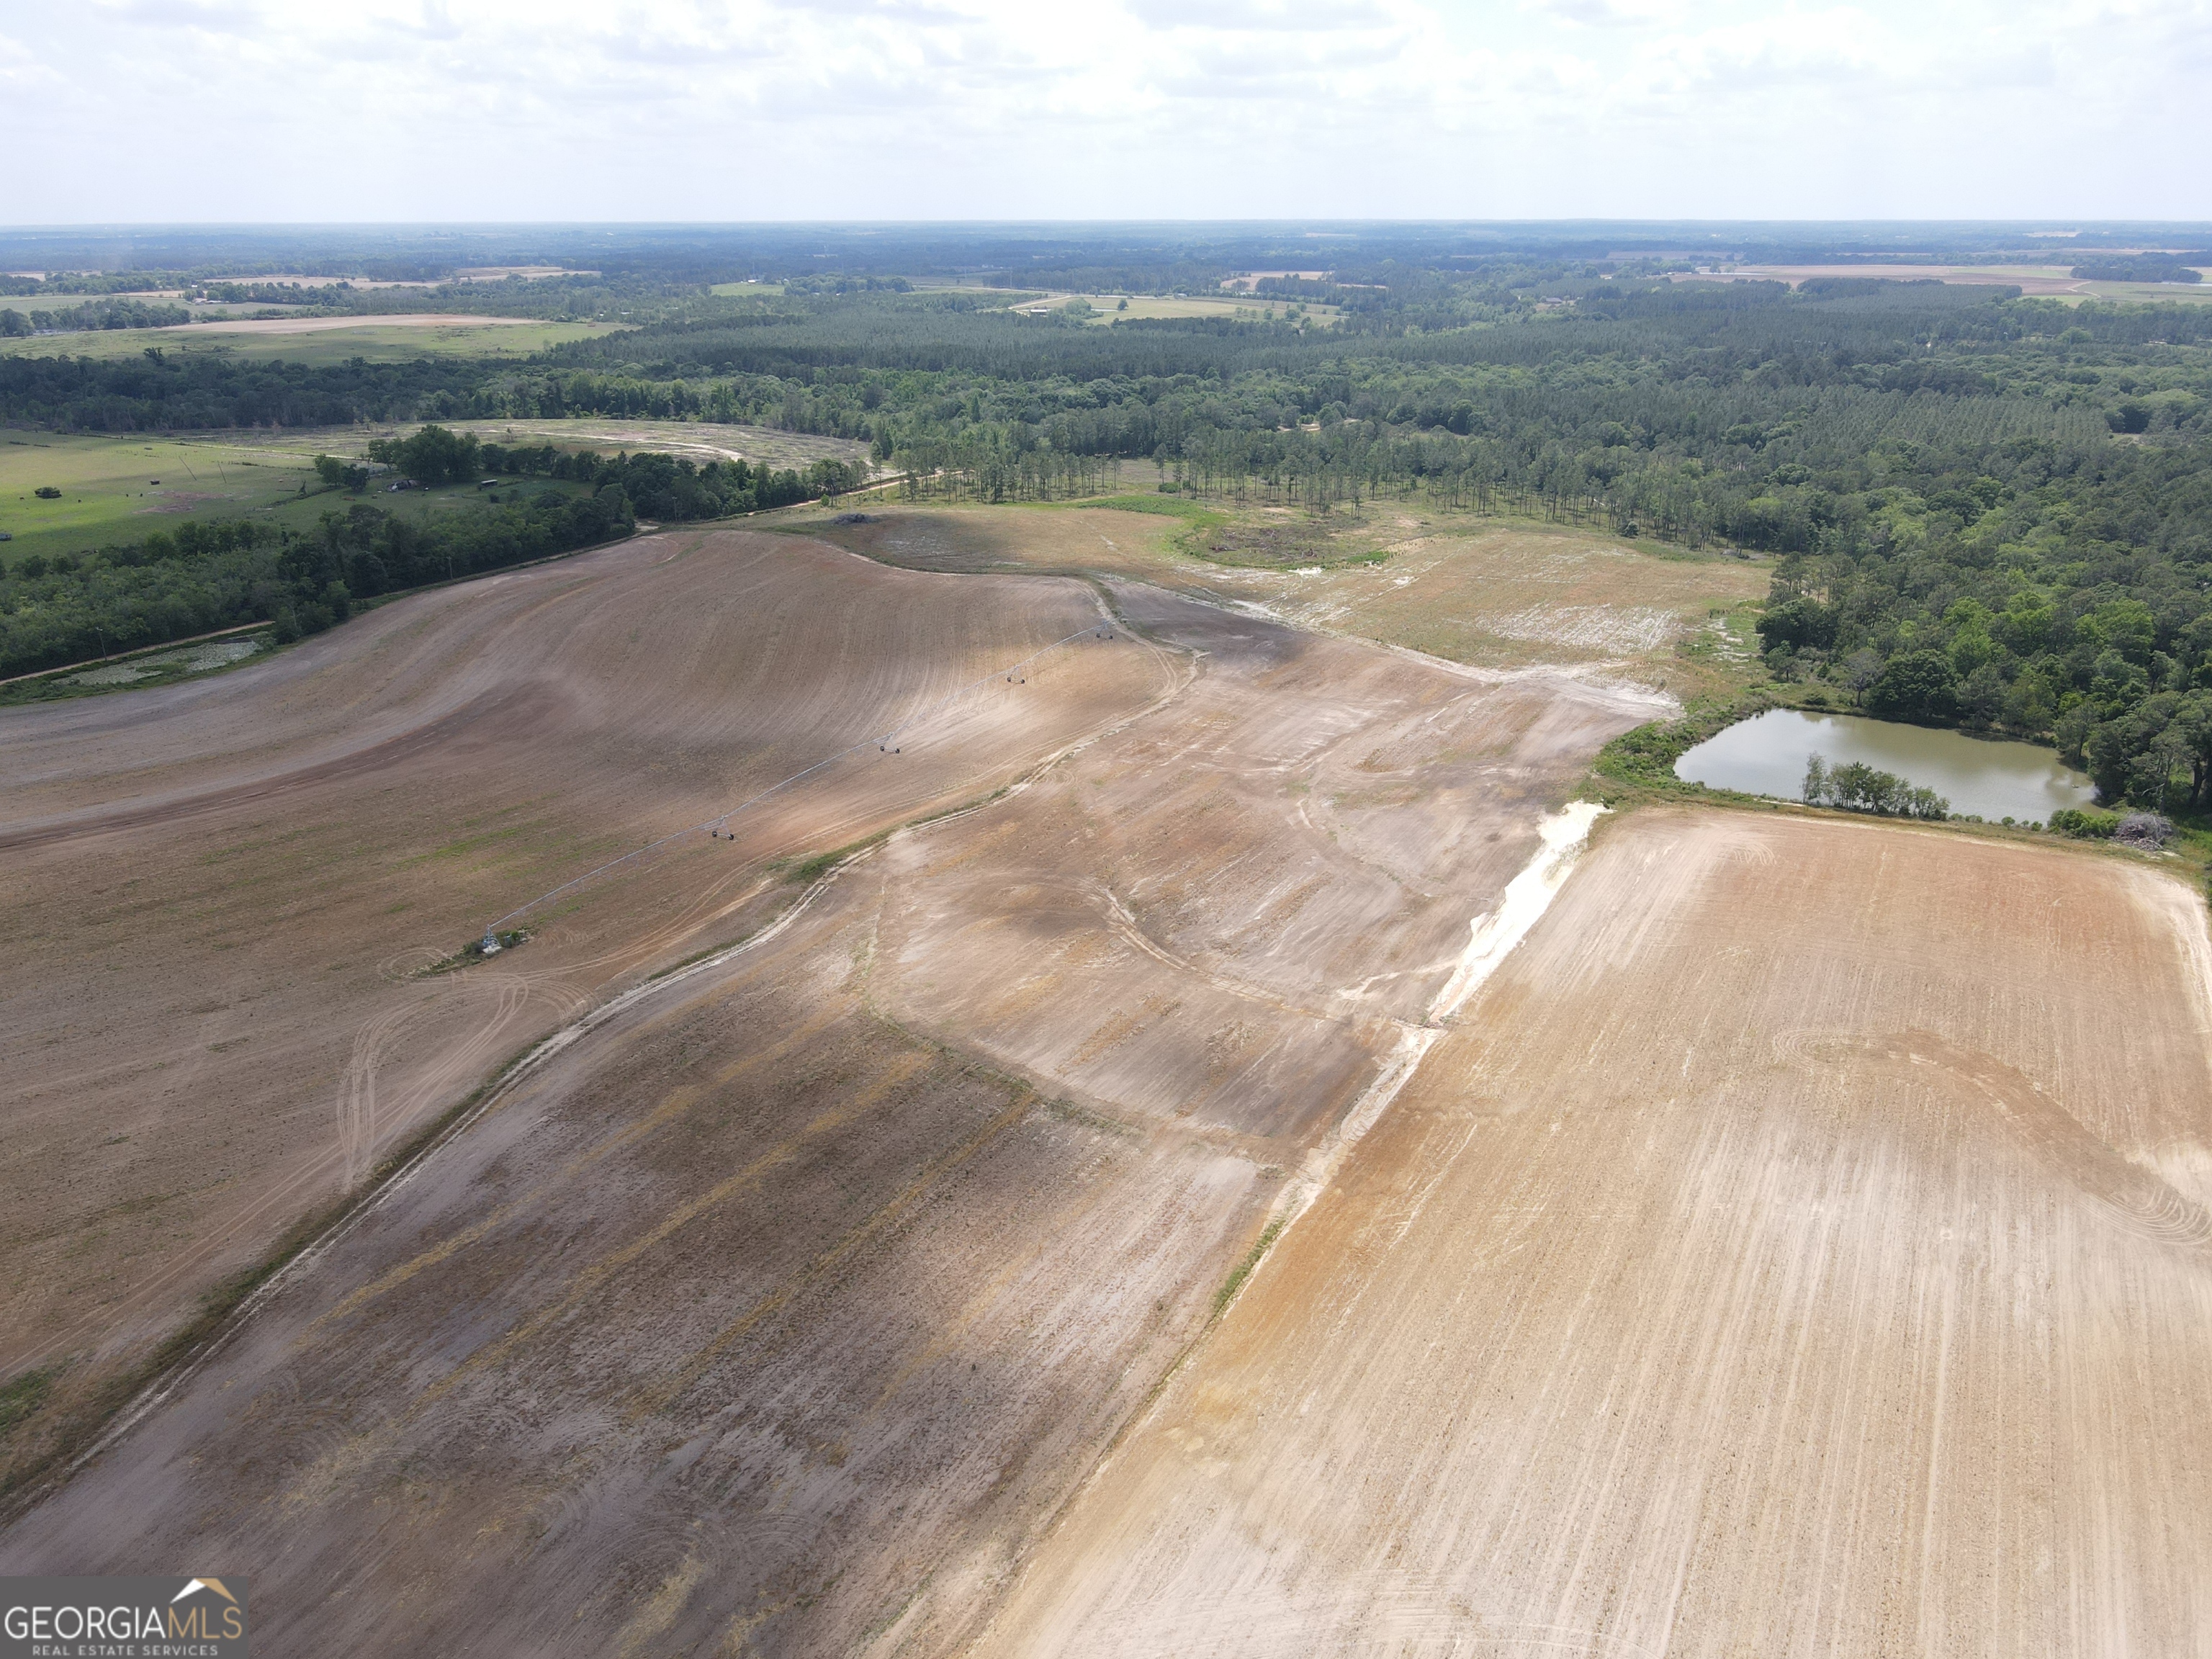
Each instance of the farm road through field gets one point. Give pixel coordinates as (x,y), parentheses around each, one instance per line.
(1802,1246)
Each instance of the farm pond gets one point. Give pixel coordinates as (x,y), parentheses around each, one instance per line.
(1766,755)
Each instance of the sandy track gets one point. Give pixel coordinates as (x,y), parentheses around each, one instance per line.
(1801,1248)
(780,1313)
(215,901)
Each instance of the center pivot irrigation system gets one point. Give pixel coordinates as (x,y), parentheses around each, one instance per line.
(887,743)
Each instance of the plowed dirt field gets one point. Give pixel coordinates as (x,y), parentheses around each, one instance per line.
(1802,1247)
(1110,1211)
(218,900)
(850,1251)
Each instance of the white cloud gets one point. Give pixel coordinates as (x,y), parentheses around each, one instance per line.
(1781,54)
(244,109)
(1613,13)
(1279,17)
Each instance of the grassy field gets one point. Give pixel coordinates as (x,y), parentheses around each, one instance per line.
(2059,282)
(380,340)
(2140,293)
(121,490)
(117,489)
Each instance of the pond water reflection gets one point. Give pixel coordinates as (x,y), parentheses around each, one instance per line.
(1766,755)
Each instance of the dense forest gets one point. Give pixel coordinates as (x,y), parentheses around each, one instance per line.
(1988,510)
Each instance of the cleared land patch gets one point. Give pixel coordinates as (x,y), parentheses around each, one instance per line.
(699,441)
(1804,1244)
(1488,591)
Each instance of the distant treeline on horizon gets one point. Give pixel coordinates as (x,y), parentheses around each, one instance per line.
(1991,510)
(123,258)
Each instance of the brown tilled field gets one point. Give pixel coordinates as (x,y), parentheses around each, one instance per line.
(221,899)
(1796,1244)
(785,1306)
(1801,1246)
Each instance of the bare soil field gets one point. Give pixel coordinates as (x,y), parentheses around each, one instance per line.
(1800,1246)
(220,897)
(1110,1211)
(1498,593)
(781,1310)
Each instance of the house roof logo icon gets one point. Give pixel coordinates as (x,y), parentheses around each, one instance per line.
(215,1584)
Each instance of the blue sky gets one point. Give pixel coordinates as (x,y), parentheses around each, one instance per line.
(168,110)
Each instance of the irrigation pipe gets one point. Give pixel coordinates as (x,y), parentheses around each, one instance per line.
(885,740)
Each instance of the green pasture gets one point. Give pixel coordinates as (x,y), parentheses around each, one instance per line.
(384,340)
(110,494)
(118,489)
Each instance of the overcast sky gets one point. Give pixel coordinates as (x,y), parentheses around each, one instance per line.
(236,110)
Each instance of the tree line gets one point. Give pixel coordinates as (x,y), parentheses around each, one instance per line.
(93,314)
(659,485)
(1857,787)
(200,577)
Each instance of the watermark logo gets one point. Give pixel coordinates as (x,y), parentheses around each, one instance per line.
(178,1618)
